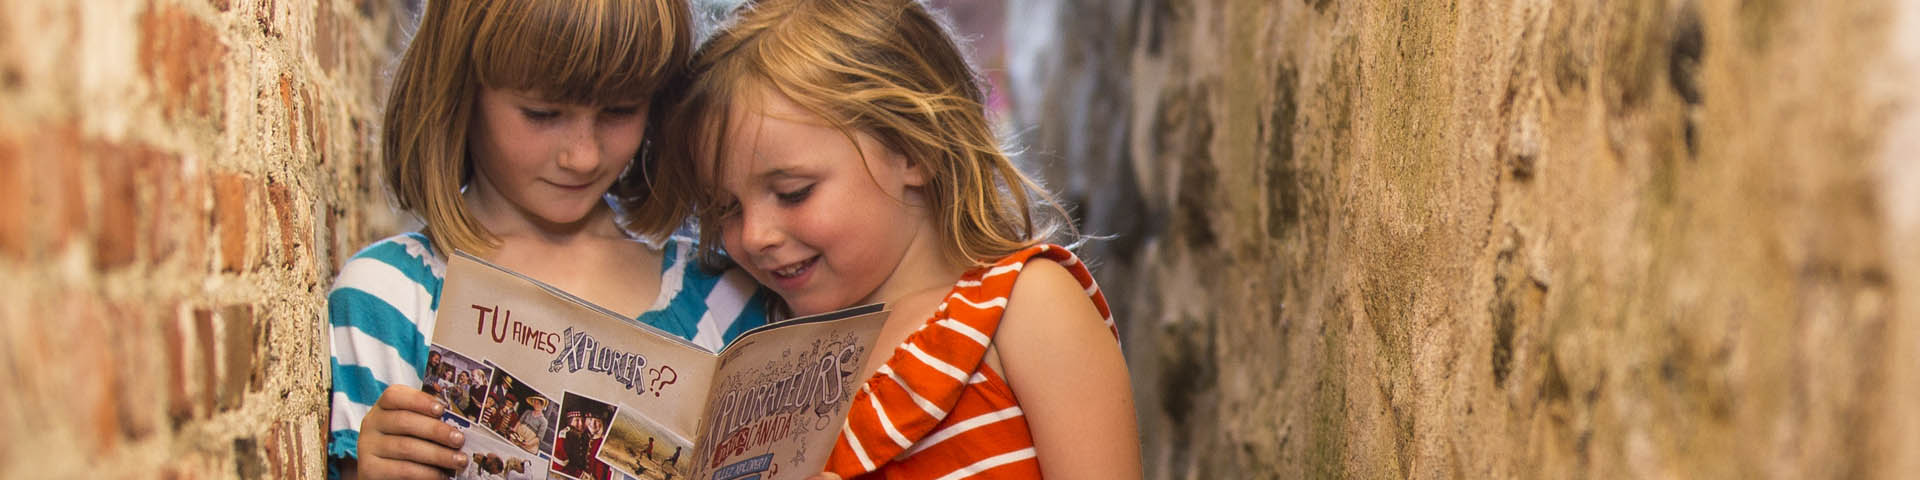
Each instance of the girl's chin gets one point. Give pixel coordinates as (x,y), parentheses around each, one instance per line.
(801,310)
(565,216)
(803,307)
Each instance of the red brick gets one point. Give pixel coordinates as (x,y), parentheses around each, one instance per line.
(81,344)
(133,347)
(278,448)
(231,195)
(118,231)
(306,121)
(284,212)
(209,369)
(15,239)
(184,56)
(159,216)
(190,215)
(326,37)
(358,69)
(237,353)
(180,375)
(262,355)
(56,185)
(286,103)
(318,128)
(299,440)
(73,197)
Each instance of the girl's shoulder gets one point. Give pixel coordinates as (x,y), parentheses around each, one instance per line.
(407,257)
(1041,274)
(675,250)
(1042,264)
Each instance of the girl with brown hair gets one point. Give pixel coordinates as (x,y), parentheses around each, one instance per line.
(513,129)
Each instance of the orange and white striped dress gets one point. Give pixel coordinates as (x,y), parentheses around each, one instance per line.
(936,410)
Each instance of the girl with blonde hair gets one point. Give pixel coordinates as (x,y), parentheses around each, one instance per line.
(513,129)
(839,151)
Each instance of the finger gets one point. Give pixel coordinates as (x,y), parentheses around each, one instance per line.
(412,424)
(419,451)
(402,397)
(385,469)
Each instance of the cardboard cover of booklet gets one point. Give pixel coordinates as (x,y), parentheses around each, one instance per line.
(547,385)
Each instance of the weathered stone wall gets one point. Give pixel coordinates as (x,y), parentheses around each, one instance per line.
(179,180)
(1502,239)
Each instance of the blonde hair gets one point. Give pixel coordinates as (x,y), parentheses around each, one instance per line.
(590,52)
(888,68)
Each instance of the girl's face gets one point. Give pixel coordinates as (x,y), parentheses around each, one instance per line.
(550,162)
(810,217)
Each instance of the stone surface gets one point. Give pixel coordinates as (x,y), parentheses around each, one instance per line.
(1507,239)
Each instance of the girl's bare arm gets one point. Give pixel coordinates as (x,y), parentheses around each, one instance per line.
(1069,375)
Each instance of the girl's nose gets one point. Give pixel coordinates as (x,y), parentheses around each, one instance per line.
(581,151)
(758,232)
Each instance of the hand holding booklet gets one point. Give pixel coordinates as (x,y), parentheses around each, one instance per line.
(546,384)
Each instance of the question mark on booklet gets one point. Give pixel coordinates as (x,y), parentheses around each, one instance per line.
(663,376)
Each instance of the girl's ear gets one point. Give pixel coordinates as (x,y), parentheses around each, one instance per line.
(914,172)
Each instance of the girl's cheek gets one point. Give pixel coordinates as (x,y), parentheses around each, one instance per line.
(730,242)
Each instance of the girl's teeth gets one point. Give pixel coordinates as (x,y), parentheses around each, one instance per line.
(793,270)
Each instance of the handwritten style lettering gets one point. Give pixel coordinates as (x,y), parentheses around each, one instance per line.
(581,351)
(818,387)
(493,326)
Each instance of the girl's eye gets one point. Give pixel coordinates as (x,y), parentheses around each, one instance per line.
(796,196)
(726,211)
(538,116)
(620,112)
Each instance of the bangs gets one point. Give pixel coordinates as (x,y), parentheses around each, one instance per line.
(707,123)
(712,114)
(588,52)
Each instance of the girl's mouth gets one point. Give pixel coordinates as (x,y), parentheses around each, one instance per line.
(796,269)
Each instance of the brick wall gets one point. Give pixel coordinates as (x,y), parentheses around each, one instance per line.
(179,180)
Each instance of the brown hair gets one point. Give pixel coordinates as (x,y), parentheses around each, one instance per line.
(592,52)
(885,67)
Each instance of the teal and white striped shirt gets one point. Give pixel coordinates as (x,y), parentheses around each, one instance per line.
(381,312)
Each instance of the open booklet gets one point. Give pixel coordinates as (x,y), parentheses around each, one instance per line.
(549,386)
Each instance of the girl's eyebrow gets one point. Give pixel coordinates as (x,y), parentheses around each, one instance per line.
(778,172)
